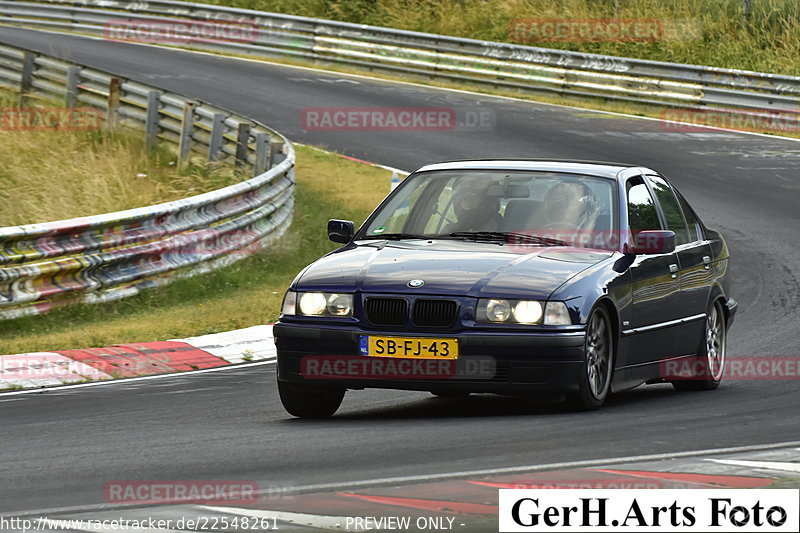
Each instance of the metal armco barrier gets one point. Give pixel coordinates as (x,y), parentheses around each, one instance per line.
(104,257)
(434,56)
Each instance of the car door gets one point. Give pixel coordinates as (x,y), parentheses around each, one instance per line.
(694,259)
(655,287)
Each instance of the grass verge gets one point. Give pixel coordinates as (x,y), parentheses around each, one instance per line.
(244,294)
(55,174)
(706,32)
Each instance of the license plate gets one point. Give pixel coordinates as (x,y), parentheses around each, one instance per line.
(410,347)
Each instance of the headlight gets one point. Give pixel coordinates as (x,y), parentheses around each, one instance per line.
(501,311)
(340,304)
(325,304)
(556,314)
(289,306)
(313,303)
(498,310)
(528,311)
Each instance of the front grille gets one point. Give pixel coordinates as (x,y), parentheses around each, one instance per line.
(435,313)
(387,311)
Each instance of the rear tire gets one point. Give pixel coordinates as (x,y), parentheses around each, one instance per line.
(308,402)
(598,366)
(710,363)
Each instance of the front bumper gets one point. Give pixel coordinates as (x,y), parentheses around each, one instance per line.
(508,363)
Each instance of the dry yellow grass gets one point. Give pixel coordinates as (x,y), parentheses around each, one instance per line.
(708,32)
(54,175)
(244,294)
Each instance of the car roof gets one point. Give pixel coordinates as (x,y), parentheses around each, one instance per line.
(593,168)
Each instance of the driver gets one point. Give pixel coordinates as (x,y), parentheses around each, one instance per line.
(475,210)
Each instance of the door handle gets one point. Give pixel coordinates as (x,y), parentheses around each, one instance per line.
(706,262)
(674,269)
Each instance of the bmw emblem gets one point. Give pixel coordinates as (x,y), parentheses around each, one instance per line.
(415,283)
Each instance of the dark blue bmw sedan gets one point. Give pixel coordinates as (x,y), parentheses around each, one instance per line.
(519,277)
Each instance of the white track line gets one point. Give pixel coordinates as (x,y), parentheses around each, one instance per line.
(537,468)
(413,84)
(346,485)
(761,465)
(125,381)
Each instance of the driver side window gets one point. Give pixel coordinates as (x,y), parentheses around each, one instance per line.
(642,213)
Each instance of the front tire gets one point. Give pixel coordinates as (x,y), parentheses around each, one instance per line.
(598,366)
(710,363)
(310,403)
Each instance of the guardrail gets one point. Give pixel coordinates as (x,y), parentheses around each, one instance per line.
(104,257)
(435,56)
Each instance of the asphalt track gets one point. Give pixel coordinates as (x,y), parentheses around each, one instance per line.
(59,448)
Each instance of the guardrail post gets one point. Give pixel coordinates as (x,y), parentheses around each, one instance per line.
(215,141)
(242,144)
(262,154)
(276,154)
(151,122)
(112,109)
(71,88)
(26,80)
(187,126)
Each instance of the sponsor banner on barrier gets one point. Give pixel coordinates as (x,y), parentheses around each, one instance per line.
(640,511)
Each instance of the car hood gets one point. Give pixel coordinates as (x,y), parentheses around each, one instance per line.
(448,267)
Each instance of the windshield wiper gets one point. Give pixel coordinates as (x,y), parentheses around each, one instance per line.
(509,237)
(396,236)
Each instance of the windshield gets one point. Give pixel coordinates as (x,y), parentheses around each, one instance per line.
(546,208)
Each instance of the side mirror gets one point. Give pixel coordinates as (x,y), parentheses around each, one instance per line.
(341,231)
(653,242)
